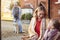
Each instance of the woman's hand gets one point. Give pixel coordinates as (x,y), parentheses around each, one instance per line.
(34,37)
(40,38)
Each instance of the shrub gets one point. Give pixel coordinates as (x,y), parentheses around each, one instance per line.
(23,17)
(26,16)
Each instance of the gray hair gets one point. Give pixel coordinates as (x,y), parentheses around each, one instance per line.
(15,4)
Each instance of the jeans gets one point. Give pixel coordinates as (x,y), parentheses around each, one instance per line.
(19,25)
(18,21)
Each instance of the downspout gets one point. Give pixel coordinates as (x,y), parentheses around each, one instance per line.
(49,9)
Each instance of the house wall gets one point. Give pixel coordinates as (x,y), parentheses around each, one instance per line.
(54,9)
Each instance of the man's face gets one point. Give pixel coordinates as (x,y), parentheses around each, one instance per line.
(15,5)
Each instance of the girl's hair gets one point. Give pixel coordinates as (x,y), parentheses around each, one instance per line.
(40,7)
(56,24)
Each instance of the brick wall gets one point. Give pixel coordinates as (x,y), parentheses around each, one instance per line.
(54,9)
(35,3)
(23,3)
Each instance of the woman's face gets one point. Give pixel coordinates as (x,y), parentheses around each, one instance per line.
(40,14)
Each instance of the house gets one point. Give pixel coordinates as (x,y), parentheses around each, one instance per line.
(33,4)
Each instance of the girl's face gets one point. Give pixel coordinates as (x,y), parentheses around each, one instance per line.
(40,14)
(50,25)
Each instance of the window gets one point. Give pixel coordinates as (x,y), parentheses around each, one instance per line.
(57,2)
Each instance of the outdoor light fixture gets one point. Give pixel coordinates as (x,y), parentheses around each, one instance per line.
(25,0)
(57,2)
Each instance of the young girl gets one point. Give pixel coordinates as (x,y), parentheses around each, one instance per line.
(53,31)
(38,23)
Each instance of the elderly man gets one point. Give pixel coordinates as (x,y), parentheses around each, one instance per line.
(16,12)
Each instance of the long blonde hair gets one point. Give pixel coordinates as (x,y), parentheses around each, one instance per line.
(39,8)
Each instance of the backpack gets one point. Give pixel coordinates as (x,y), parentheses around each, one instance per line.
(16,9)
(16,14)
